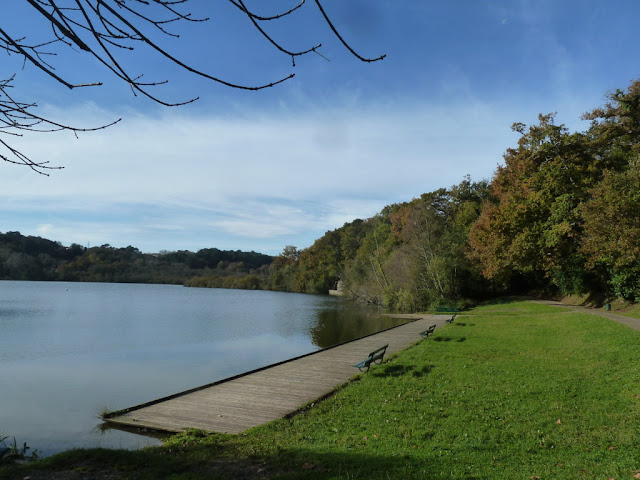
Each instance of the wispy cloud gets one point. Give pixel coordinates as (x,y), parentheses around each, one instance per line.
(257,181)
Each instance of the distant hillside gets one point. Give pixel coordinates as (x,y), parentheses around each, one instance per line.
(35,258)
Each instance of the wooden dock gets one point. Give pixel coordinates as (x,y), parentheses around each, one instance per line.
(238,403)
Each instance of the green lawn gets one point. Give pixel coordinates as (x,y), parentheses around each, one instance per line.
(632,311)
(510,391)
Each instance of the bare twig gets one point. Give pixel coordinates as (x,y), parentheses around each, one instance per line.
(105,28)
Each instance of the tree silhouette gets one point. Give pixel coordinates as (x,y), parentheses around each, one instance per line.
(105,30)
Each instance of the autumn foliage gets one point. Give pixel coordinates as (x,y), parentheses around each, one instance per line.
(564,209)
(560,215)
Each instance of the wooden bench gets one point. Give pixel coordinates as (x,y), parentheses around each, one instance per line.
(450,320)
(447,309)
(429,331)
(374,357)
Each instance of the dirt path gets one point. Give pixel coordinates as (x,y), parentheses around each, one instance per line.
(628,321)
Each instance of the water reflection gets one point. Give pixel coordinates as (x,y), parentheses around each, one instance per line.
(105,428)
(67,351)
(345,324)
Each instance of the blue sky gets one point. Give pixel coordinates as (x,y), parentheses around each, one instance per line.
(261,170)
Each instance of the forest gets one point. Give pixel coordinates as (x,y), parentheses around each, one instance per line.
(35,258)
(560,216)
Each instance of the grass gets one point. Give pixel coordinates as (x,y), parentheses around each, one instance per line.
(514,390)
(632,311)
(618,305)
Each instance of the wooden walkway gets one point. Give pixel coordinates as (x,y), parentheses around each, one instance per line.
(239,403)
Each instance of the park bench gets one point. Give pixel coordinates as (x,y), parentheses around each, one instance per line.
(450,320)
(429,331)
(447,309)
(374,357)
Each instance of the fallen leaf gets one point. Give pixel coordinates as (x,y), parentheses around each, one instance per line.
(559,422)
(612,448)
(637,475)
(365,438)
(535,478)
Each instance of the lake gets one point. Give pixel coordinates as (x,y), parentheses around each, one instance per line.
(70,350)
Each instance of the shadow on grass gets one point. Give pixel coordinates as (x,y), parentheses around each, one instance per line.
(450,339)
(597,300)
(400,370)
(205,461)
(350,465)
(462,324)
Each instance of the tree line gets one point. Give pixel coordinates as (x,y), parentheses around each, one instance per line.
(35,258)
(560,216)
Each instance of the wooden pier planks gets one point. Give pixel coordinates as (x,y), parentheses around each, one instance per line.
(239,403)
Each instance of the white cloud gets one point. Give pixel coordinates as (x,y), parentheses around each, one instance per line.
(207,159)
(268,180)
(44,229)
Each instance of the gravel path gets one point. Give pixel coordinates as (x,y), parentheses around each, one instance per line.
(616,317)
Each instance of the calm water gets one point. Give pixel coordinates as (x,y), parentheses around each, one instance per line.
(70,350)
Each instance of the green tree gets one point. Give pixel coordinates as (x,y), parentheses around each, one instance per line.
(283,271)
(612,225)
(612,231)
(532,224)
(320,265)
(433,230)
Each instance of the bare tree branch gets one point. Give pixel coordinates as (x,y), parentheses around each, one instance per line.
(16,117)
(337,34)
(103,29)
